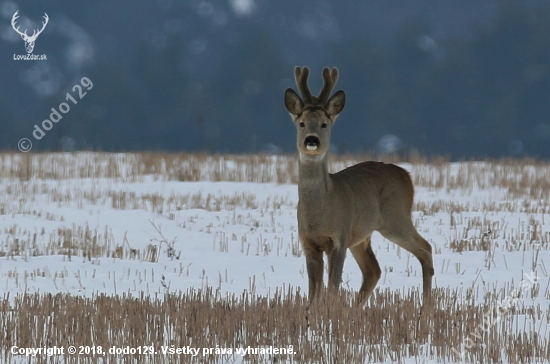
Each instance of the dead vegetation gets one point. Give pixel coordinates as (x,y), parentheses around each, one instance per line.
(389,329)
(77,241)
(465,326)
(520,178)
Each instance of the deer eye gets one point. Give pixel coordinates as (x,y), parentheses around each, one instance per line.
(302,125)
(323,125)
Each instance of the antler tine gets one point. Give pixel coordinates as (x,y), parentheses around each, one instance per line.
(334,75)
(301,75)
(329,81)
(13,23)
(46,18)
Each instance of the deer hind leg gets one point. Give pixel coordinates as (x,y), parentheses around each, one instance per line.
(408,238)
(370,268)
(314,265)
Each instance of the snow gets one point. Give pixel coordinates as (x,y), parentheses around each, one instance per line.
(236,236)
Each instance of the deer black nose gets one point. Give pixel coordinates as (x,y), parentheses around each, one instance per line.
(312,142)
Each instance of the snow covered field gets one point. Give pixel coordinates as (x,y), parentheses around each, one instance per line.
(87,224)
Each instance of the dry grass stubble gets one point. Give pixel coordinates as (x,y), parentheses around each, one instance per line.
(387,330)
(338,332)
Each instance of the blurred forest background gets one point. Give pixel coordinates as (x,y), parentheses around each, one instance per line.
(463,78)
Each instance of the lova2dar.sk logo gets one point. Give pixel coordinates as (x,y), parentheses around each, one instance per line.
(29,39)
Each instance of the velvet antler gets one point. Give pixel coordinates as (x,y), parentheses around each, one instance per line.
(329,81)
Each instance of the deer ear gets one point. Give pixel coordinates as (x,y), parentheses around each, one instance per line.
(336,103)
(293,102)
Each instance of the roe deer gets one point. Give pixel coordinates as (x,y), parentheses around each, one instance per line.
(341,210)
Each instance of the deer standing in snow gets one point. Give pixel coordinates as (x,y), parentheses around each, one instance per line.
(341,210)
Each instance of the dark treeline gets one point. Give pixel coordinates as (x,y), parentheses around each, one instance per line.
(468,82)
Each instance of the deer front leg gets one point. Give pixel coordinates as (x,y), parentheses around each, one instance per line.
(314,264)
(336,258)
(370,268)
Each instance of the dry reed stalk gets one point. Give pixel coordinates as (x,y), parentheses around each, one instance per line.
(331,331)
(518,176)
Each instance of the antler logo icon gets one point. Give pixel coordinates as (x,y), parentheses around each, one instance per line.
(29,40)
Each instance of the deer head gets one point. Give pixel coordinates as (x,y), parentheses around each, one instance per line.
(29,40)
(314,115)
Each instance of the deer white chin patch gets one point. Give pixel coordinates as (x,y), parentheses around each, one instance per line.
(311,147)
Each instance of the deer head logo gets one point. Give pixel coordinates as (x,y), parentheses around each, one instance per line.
(29,40)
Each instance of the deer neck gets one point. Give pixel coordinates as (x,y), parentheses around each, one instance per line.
(314,179)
